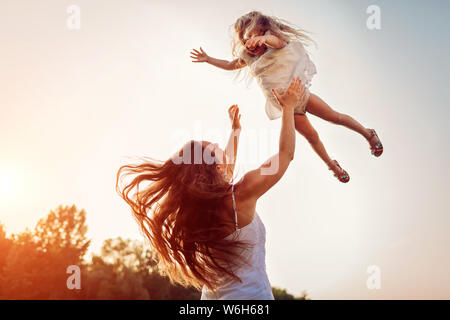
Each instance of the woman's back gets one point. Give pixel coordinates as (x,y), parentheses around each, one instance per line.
(255,283)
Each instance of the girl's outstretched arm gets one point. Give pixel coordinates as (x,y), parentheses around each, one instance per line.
(232,145)
(201,56)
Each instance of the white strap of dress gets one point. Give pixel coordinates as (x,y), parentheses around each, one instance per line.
(234,205)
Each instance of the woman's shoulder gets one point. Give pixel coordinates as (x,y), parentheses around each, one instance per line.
(239,186)
(242,192)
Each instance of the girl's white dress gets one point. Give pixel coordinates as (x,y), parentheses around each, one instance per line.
(275,68)
(255,283)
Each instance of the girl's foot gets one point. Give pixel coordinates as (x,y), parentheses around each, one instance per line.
(375,143)
(339,173)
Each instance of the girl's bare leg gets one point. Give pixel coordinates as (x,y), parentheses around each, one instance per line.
(304,127)
(319,108)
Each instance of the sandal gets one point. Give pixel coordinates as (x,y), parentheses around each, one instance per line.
(343,176)
(376,149)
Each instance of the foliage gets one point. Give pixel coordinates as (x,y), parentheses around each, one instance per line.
(282,294)
(33,265)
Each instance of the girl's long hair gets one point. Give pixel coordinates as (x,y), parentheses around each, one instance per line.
(278,27)
(181,213)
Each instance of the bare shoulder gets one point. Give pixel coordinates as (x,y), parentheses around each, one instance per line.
(245,203)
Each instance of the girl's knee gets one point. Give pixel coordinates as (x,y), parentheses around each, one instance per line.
(337,119)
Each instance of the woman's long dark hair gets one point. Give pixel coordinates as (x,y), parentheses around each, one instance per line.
(181,213)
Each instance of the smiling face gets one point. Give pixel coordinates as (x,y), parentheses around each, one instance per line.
(256,32)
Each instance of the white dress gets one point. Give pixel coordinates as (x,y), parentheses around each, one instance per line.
(275,68)
(255,283)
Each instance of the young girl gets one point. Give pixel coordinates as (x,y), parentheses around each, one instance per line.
(274,53)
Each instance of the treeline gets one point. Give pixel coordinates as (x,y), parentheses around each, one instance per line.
(34,265)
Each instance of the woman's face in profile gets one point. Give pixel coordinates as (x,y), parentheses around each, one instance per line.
(214,148)
(220,157)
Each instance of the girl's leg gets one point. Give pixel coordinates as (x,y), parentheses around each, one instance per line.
(319,108)
(304,127)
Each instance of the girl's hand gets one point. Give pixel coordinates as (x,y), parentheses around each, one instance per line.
(199,56)
(291,96)
(255,42)
(235,117)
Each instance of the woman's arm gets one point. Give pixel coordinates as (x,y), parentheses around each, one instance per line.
(201,56)
(257,182)
(233,141)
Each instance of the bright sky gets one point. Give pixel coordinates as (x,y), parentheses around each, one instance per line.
(78,104)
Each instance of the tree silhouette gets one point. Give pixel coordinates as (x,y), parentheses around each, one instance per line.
(125,270)
(33,265)
(36,262)
(5,246)
(116,272)
(282,294)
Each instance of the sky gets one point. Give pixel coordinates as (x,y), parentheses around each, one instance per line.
(75,105)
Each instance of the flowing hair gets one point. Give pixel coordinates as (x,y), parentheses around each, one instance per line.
(276,26)
(181,213)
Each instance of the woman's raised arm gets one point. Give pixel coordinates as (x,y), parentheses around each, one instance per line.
(232,145)
(257,182)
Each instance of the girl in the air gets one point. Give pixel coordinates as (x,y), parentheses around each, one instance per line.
(274,52)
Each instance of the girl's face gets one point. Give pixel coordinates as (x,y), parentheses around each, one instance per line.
(257,32)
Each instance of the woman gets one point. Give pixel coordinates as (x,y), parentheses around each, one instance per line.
(203,229)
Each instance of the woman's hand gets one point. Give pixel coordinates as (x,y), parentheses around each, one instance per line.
(199,56)
(235,117)
(290,97)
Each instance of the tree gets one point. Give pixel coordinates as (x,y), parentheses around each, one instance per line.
(126,270)
(33,265)
(117,272)
(282,294)
(36,263)
(5,246)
